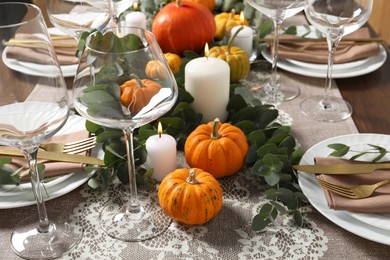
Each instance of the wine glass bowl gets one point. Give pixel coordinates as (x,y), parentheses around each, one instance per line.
(75,17)
(33,106)
(278,11)
(124,82)
(334,19)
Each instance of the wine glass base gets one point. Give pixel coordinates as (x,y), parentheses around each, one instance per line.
(332,109)
(119,221)
(63,235)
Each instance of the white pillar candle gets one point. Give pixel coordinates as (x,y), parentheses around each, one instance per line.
(161,154)
(244,38)
(207,79)
(136,19)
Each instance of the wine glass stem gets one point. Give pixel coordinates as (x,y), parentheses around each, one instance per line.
(275,51)
(31,156)
(134,206)
(333,41)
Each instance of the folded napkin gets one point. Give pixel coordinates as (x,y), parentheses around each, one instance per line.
(21,48)
(379,202)
(52,168)
(317,52)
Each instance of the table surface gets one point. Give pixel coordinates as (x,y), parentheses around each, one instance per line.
(368,95)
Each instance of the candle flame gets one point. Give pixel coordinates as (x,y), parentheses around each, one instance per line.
(159,129)
(242,17)
(135,6)
(206,49)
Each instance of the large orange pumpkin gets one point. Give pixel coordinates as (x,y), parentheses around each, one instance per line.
(181,26)
(190,196)
(217,148)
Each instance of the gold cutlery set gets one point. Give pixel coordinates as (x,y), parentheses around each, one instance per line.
(64,152)
(355,192)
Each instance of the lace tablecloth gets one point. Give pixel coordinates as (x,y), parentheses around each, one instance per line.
(229,234)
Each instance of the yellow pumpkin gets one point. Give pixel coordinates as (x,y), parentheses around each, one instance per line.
(190,196)
(174,61)
(236,57)
(217,148)
(225,22)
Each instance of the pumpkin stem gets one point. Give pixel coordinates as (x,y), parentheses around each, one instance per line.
(139,81)
(192,178)
(232,38)
(179,2)
(215,134)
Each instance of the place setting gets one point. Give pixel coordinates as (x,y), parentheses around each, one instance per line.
(366,217)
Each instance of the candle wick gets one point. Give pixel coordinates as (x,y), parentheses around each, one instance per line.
(159,134)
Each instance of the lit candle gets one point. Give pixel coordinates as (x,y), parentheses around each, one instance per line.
(207,79)
(161,154)
(136,18)
(244,38)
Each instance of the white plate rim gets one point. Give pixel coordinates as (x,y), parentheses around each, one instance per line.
(371,64)
(317,198)
(69,183)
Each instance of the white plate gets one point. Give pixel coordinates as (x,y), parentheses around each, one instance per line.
(24,196)
(38,69)
(317,198)
(369,65)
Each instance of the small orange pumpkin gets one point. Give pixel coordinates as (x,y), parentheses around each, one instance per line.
(217,148)
(190,196)
(136,93)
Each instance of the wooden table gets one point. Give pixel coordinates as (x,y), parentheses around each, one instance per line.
(369,96)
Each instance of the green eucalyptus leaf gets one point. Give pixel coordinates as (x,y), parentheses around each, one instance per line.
(268,148)
(260,222)
(291,30)
(5,160)
(92,127)
(280,208)
(94,183)
(236,103)
(251,154)
(246,126)
(298,218)
(109,136)
(257,137)
(340,150)
(267,117)
(271,193)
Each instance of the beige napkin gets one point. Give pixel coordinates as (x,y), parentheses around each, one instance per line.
(52,168)
(379,202)
(317,52)
(65,55)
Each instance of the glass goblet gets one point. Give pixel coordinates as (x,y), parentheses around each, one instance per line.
(278,11)
(334,19)
(33,106)
(115,87)
(75,17)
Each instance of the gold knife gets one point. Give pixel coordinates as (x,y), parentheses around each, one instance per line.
(344,168)
(58,157)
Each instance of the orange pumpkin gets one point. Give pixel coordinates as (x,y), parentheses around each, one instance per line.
(182,25)
(190,196)
(210,4)
(137,93)
(217,148)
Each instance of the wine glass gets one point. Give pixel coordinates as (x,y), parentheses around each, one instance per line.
(334,19)
(278,11)
(75,17)
(33,106)
(123,81)
(118,7)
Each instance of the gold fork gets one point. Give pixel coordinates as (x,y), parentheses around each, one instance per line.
(355,192)
(71,148)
